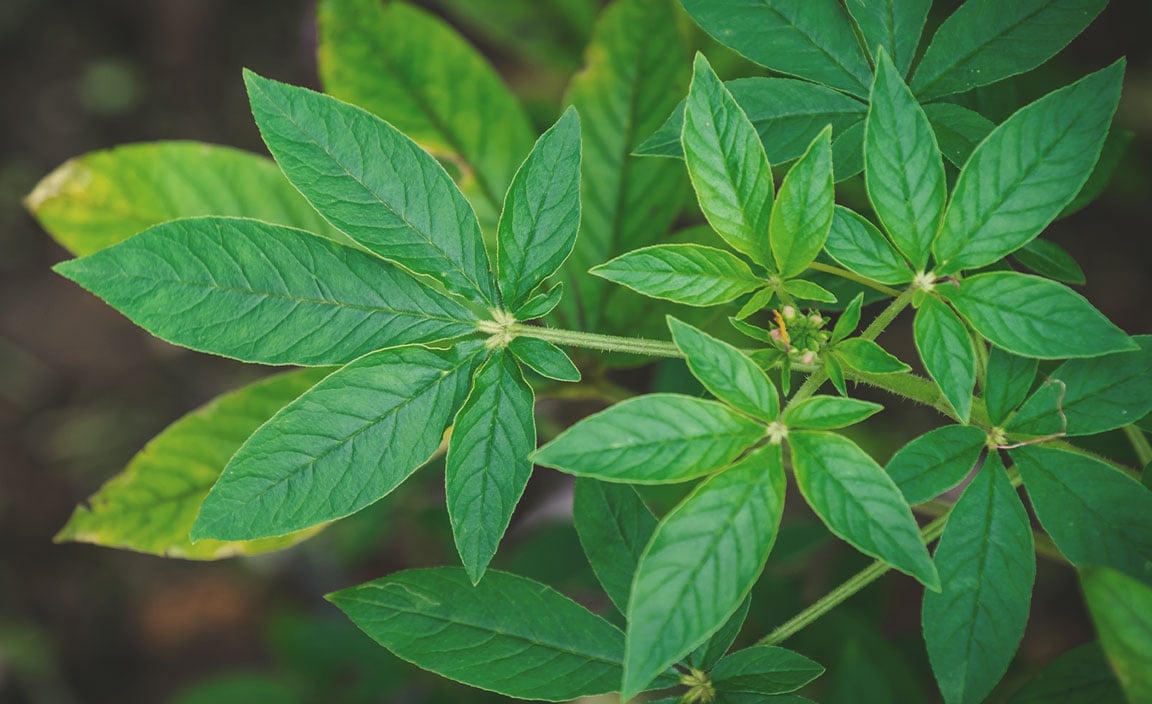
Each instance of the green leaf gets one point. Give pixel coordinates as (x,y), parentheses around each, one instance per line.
(1025,172)
(553,31)
(802,216)
(1121,608)
(1089,396)
(508,634)
(102,198)
(541,304)
(541,212)
(947,352)
(986,41)
(727,164)
(1034,317)
(829,412)
(249,290)
(487,465)
(413,70)
(808,291)
(1095,514)
(627,202)
(1079,676)
(903,168)
(958,130)
(151,505)
(614,526)
(859,502)
(544,358)
(375,184)
(973,625)
(764,669)
(894,25)
(711,650)
(812,40)
(1050,260)
(868,357)
(726,372)
(685,273)
(936,461)
(652,439)
(1115,147)
(1007,379)
(848,152)
(835,374)
(787,114)
(351,439)
(859,247)
(757,302)
(849,320)
(701,563)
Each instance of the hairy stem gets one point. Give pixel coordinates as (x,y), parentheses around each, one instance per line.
(596,341)
(1139,444)
(852,276)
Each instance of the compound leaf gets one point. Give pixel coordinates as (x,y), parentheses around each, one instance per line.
(508,634)
(1095,514)
(1034,317)
(104,197)
(351,439)
(614,526)
(726,372)
(947,352)
(974,624)
(986,41)
(265,293)
(151,505)
(487,465)
(812,39)
(903,169)
(375,184)
(727,165)
(936,461)
(652,439)
(859,502)
(541,213)
(701,563)
(685,273)
(1025,172)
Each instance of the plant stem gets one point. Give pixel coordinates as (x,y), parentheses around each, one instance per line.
(841,593)
(851,276)
(596,341)
(1139,444)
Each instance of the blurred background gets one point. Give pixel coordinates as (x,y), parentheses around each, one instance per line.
(82,389)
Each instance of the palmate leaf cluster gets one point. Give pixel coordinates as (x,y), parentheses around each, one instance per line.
(407,294)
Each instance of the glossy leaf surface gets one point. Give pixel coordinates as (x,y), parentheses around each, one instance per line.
(947,352)
(544,358)
(859,247)
(685,273)
(727,372)
(869,357)
(802,215)
(829,412)
(264,293)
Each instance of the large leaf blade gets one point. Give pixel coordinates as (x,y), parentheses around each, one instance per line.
(508,634)
(727,164)
(300,299)
(1026,171)
(859,502)
(375,184)
(973,626)
(812,39)
(1034,317)
(541,214)
(1121,608)
(857,245)
(700,564)
(487,466)
(894,25)
(1095,514)
(652,439)
(104,197)
(903,168)
(985,41)
(936,461)
(727,372)
(352,439)
(804,208)
(614,526)
(685,273)
(150,506)
(413,70)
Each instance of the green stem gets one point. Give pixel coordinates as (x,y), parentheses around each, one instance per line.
(1139,444)
(596,341)
(841,593)
(852,276)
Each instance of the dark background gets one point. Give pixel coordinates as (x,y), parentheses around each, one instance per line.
(81,389)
